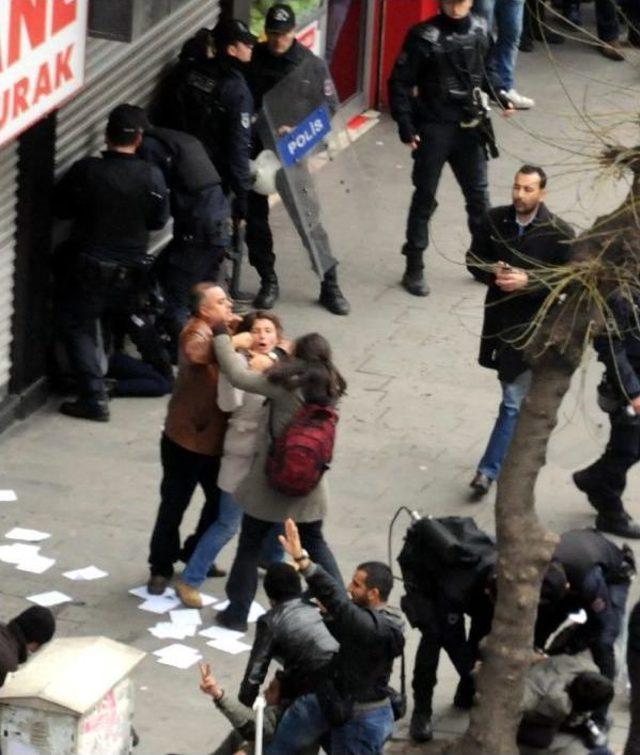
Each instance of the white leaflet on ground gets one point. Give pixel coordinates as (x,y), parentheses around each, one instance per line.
(221,633)
(142,592)
(208,600)
(229,646)
(189,616)
(178,652)
(88,573)
(181,662)
(30,536)
(255,612)
(222,606)
(18,552)
(47,599)
(8,496)
(159,604)
(36,564)
(166,630)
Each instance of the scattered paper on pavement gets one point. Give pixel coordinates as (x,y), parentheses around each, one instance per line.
(17,552)
(159,604)
(142,592)
(47,599)
(221,633)
(222,606)
(208,600)
(189,616)
(8,496)
(167,630)
(31,536)
(180,656)
(88,573)
(229,646)
(255,612)
(181,662)
(36,564)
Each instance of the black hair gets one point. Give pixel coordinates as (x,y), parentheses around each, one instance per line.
(590,691)
(311,370)
(249,320)
(378,576)
(554,583)
(199,47)
(197,295)
(530,170)
(282,582)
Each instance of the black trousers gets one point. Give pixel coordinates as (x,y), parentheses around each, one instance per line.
(609,473)
(462,148)
(182,471)
(446,631)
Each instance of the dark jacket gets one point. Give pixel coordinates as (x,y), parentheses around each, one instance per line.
(633,662)
(266,69)
(619,348)
(369,639)
(211,100)
(506,315)
(445,60)
(294,634)
(199,207)
(13,650)
(114,201)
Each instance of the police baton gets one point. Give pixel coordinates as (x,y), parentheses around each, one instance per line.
(235,255)
(258,707)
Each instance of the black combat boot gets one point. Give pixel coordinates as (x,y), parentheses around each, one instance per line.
(420,728)
(269,292)
(413,279)
(331,297)
(619,523)
(96,409)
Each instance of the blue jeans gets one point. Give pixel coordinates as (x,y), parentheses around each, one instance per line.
(512,396)
(219,534)
(508,16)
(303,724)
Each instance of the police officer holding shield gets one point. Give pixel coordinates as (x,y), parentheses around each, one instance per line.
(273,60)
(447,60)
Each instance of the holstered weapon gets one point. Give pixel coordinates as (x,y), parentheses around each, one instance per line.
(235,255)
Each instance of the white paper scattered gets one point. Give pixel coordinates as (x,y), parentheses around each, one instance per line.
(167,630)
(18,552)
(222,606)
(177,655)
(255,612)
(208,600)
(182,663)
(88,573)
(31,536)
(230,646)
(8,496)
(221,633)
(36,564)
(47,599)
(159,604)
(188,616)
(176,649)
(142,592)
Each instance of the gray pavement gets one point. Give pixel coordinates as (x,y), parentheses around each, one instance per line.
(413,424)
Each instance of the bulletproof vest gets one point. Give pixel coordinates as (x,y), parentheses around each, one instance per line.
(202,113)
(456,61)
(190,168)
(580,550)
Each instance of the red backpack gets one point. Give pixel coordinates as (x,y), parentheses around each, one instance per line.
(302,454)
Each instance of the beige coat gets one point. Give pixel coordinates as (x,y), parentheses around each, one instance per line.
(254,494)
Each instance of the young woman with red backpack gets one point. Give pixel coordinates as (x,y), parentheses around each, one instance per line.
(294,447)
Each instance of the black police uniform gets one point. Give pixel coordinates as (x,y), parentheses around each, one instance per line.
(605,480)
(446,60)
(114,201)
(266,71)
(599,574)
(200,213)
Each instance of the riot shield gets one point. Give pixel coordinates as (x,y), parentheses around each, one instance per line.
(300,122)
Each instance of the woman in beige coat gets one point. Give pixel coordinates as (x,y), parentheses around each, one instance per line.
(309,376)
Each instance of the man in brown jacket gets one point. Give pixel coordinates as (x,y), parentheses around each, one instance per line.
(191,444)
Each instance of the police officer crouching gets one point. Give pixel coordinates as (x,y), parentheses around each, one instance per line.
(448,59)
(114,201)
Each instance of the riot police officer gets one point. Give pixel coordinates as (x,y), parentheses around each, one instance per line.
(114,201)
(448,60)
(200,213)
(272,61)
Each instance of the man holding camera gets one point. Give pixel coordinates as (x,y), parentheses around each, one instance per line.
(448,62)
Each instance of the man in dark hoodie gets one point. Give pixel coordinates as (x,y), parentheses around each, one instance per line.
(355,710)
(24,634)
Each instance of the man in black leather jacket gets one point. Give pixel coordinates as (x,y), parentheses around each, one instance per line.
(354,710)
(294,634)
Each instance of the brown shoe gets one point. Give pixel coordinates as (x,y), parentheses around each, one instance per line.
(190,596)
(157,584)
(612,50)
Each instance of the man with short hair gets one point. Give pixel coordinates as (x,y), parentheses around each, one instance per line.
(191,444)
(354,709)
(513,243)
(24,634)
(114,201)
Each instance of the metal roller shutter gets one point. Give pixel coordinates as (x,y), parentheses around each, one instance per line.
(8,199)
(118,72)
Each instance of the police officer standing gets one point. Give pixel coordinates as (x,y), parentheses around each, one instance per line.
(272,61)
(448,60)
(114,201)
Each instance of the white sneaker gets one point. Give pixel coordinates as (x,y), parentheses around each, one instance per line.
(520,102)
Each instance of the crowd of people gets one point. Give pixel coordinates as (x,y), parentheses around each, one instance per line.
(253,415)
